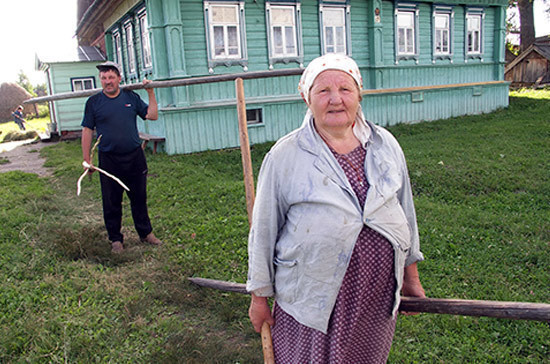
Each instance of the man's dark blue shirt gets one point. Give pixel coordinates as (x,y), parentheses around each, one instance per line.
(115,120)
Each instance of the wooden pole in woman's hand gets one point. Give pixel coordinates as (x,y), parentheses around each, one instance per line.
(267,344)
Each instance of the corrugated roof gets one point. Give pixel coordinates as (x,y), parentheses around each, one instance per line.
(78,54)
(87,53)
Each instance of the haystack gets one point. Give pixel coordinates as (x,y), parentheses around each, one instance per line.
(11,95)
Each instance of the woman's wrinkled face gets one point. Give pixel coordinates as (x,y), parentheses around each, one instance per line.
(334,99)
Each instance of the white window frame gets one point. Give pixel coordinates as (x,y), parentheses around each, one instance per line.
(409,10)
(470,33)
(117,47)
(448,12)
(254,117)
(226,59)
(296,33)
(146,54)
(130,49)
(82,81)
(324,25)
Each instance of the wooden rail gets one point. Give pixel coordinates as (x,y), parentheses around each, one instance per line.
(495,309)
(430,87)
(245,76)
(173,83)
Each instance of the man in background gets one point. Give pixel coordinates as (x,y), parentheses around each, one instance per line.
(18,117)
(112,113)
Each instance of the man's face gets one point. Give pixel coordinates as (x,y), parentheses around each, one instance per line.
(110,83)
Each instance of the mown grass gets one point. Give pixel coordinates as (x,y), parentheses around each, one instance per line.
(482,193)
(39,125)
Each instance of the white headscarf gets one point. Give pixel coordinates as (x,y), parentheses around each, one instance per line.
(332,61)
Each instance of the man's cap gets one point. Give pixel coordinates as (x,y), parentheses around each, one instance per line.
(105,66)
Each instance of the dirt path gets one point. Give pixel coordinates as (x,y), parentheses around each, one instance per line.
(23,156)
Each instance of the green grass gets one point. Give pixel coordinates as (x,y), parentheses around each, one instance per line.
(482,193)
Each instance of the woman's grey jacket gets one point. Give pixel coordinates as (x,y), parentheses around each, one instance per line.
(307,219)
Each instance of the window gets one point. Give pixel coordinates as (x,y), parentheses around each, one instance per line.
(441,25)
(406,32)
(83,83)
(335,33)
(225,33)
(442,32)
(284,32)
(224,30)
(145,44)
(117,45)
(129,34)
(254,116)
(474,32)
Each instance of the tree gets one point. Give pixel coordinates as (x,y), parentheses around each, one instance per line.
(527,24)
(25,83)
(40,89)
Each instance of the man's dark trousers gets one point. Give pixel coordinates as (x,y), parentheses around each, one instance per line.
(131,169)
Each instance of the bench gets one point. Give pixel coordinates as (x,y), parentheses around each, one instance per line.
(150,138)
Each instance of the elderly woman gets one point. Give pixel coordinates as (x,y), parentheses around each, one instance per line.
(334,236)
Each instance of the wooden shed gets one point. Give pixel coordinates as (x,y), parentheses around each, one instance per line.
(532,66)
(420,60)
(74,72)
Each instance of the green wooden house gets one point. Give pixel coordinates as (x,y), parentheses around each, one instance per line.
(420,60)
(67,73)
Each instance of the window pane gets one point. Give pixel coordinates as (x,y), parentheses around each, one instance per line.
(290,42)
(145,45)
(441,21)
(282,16)
(410,39)
(438,41)
(401,40)
(333,17)
(278,40)
(232,40)
(88,84)
(473,23)
(77,85)
(329,37)
(118,49)
(224,14)
(130,48)
(405,20)
(219,47)
(340,36)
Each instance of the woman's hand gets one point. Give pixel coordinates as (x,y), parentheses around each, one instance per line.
(259,312)
(411,285)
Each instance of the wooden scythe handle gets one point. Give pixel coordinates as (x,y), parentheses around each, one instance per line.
(267,344)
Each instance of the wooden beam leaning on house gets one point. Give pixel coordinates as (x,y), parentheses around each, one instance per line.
(150,138)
